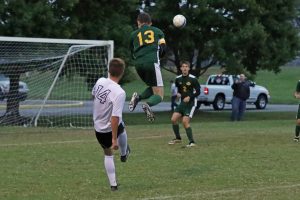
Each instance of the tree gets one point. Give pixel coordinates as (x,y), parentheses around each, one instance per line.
(100,20)
(25,18)
(238,35)
(78,19)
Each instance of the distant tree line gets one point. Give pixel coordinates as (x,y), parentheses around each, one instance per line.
(237,35)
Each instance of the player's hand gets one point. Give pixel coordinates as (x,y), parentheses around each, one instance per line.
(114,145)
(297,95)
(186,99)
(178,95)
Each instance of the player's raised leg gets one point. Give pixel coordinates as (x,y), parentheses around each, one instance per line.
(133,101)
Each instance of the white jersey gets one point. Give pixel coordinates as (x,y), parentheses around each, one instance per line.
(109,100)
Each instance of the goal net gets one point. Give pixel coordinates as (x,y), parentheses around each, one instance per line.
(48,82)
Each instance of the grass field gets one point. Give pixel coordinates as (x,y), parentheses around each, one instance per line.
(252,159)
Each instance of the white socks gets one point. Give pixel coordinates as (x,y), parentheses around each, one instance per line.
(109,160)
(110,169)
(122,142)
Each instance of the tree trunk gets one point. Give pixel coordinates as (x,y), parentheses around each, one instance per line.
(12,115)
(13,103)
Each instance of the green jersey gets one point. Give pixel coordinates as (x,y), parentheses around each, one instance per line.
(144,44)
(188,86)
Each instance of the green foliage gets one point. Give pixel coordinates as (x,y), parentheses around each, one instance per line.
(238,34)
(32,19)
(243,35)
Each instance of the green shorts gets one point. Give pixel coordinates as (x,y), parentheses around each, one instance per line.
(298,114)
(150,73)
(186,109)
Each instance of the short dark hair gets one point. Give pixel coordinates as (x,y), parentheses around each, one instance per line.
(116,67)
(185,62)
(144,17)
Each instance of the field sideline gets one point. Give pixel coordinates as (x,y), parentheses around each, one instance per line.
(253,159)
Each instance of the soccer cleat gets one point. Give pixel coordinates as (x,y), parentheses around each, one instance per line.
(175,141)
(191,144)
(124,158)
(296,139)
(133,102)
(114,188)
(149,113)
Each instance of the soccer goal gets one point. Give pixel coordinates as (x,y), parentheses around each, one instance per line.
(48,82)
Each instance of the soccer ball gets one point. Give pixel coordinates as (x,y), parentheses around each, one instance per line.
(179,21)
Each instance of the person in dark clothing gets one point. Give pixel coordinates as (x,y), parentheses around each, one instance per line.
(241,92)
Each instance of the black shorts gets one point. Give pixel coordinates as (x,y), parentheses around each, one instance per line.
(105,139)
(150,73)
(186,109)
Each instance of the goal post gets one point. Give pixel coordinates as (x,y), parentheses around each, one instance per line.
(55,78)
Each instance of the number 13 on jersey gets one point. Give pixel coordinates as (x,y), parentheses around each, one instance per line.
(146,37)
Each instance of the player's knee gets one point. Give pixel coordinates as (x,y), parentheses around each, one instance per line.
(186,124)
(108,152)
(158,91)
(298,122)
(173,120)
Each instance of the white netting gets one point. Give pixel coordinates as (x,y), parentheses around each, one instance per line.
(48,82)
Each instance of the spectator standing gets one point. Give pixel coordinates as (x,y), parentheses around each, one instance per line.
(241,92)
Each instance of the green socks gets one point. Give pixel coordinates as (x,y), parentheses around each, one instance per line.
(176,131)
(297,130)
(152,99)
(189,134)
(146,94)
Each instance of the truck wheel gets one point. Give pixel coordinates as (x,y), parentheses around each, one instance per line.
(261,101)
(219,102)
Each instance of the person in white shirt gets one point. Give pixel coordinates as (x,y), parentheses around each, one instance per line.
(109,99)
(173,95)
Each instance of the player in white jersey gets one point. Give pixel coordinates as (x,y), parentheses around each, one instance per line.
(109,99)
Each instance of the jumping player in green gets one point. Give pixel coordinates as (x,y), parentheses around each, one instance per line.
(188,89)
(147,45)
(297,96)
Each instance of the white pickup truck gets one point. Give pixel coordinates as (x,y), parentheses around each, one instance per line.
(217,91)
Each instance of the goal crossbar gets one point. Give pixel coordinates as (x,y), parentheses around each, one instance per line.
(57,41)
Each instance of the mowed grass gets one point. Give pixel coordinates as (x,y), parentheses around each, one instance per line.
(252,159)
